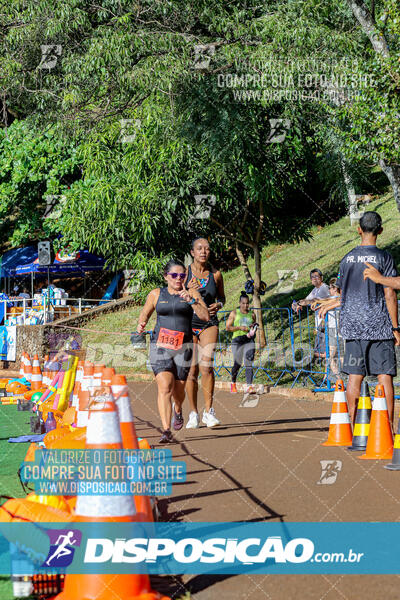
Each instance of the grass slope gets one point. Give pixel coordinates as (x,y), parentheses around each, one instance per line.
(325,250)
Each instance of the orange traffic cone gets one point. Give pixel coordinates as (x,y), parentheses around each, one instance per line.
(22,365)
(339,426)
(75,394)
(82,414)
(45,377)
(120,392)
(87,378)
(36,377)
(97,375)
(380,438)
(108,374)
(103,432)
(28,367)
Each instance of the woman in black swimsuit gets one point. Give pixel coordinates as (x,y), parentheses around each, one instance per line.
(208,281)
(171,341)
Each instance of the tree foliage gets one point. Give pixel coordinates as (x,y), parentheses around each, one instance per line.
(140,99)
(35,170)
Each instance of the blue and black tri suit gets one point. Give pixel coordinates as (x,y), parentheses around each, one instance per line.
(171,341)
(209,293)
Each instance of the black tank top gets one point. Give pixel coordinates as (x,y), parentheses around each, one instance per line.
(209,295)
(173,314)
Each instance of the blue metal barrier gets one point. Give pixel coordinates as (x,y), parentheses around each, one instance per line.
(295,348)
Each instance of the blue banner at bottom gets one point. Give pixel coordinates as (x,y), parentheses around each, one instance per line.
(217,548)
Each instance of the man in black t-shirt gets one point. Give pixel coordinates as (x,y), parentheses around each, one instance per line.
(368,315)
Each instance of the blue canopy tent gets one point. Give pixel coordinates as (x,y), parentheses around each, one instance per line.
(24,261)
(11,259)
(76,266)
(85,262)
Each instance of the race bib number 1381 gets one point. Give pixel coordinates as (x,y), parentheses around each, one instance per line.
(169,339)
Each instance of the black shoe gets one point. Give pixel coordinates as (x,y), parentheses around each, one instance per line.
(177,419)
(166,437)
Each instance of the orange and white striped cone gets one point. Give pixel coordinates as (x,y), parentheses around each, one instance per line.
(36,377)
(75,394)
(380,437)
(103,432)
(120,392)
(45,375)
(97,376)
(339,426)
(108,374)
(28,367)
(22,365)
(82,413)
(87,378)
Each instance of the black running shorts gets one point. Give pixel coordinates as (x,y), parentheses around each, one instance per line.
(175,362)
(369,357)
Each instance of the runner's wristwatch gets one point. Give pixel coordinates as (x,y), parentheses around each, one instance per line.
(395,328)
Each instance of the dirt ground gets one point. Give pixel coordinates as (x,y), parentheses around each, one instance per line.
(263,463)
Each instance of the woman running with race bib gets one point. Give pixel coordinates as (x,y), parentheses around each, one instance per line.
(171,344)
(209,283)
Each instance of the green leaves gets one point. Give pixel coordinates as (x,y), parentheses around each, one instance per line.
(33,167)
(137,117)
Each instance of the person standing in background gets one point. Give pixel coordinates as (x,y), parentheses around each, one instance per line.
(319,292)
(335,340)
(241,323)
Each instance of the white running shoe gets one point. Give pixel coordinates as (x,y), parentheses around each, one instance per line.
(194,421)
(209,418)
(249,389)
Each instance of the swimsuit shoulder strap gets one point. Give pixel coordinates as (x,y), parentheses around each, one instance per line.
(189,276)
(163,292)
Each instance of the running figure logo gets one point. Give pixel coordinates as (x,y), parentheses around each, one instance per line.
(330,470)
(61,552)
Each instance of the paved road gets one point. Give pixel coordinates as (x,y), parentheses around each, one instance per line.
(263,464)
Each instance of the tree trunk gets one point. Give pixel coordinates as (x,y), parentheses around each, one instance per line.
(368,25)
(392,172)
(243,262)
(381,47)
(351,196)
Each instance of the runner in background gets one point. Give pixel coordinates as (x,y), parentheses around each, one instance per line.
(171,342)
(241,322)
(208,281)
(368,315)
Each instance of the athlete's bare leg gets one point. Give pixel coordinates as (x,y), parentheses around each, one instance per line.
(192,384)
(207,341)
(178,394)
(353,393)
(166,385)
